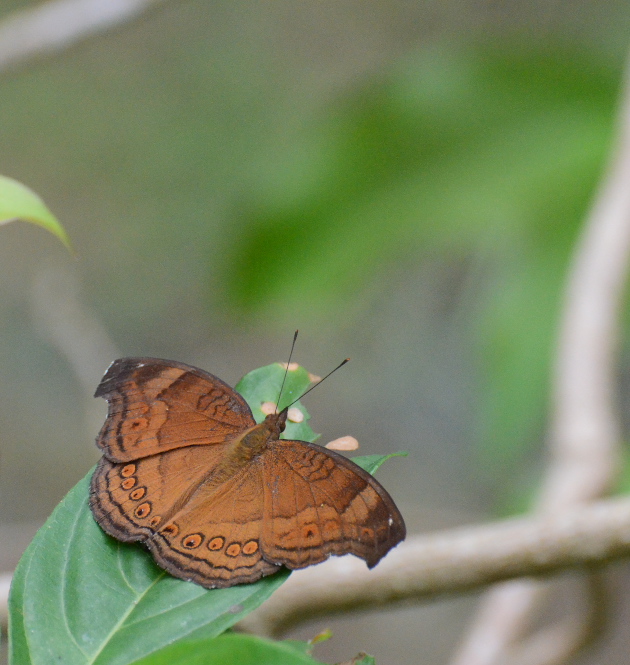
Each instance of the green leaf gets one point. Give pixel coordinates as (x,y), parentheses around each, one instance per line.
(299,646)
(79,596)
(19,202)
(371,463)
(322,636)
(263,385)
(18,644)
(232,648)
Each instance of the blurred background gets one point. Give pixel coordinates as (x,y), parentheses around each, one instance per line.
(402,181)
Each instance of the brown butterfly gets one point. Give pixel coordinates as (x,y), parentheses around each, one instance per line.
(218,499)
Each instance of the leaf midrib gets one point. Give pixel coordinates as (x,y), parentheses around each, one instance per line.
(122,619)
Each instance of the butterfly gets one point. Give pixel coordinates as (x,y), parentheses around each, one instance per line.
(218,499)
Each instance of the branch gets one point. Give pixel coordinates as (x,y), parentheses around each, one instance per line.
(455,560)
(585,432)
(57,24)
(451,561)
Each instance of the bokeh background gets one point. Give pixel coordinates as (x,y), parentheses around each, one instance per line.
(402,181)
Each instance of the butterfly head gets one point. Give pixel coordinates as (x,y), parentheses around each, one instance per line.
(275,423)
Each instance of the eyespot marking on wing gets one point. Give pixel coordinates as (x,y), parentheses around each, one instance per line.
(128,470)
(192,541)
(250,547)
(138,493)
(171,529)
(143,510)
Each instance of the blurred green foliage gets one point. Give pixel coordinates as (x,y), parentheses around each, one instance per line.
(486,158)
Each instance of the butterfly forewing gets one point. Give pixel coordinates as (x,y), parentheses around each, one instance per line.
(158,405)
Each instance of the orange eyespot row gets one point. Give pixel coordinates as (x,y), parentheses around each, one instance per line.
(192,541)
(154,521)
(128,483)
(138,493)
(233,549)
(143,510)
(128,470)
(250,547)
(216,543)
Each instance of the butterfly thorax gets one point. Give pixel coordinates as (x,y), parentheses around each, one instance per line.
(255,440)
(247,446)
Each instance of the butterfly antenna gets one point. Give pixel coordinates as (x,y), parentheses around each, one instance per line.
(341,364)
(286,371)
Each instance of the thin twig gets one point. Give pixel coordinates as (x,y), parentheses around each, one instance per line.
(455,560)
(57,24)
(585,432)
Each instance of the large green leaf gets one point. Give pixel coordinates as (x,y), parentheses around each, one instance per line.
(19,202)
(228,649)
(79,596)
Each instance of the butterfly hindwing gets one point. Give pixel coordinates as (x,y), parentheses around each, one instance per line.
(195,530)
(318,504)
(131,500)
(215,539)
(157,405)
